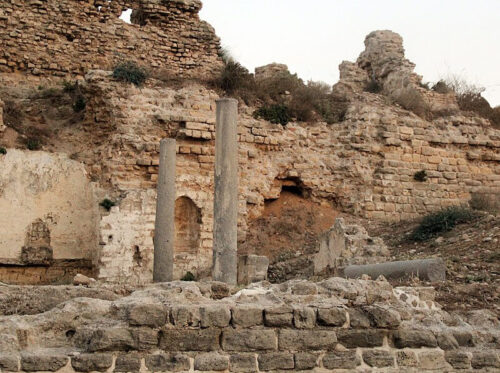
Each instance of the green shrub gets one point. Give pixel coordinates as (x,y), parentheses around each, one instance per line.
(234,77)
(373,86)
(33,143)
(277,114)
(107,204)
(3,150)
(420,176)
(188,277)
(441,221)
(79,104)
(130,72)
(69,87)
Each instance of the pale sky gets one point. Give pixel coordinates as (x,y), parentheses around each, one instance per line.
(442,37)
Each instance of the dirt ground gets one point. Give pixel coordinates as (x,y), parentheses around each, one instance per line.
(288,227)
(472,255)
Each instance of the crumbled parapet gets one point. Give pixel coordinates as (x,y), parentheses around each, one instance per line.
(252,268)
(270,71)
(347,244)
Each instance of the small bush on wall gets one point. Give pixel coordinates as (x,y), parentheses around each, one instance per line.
(420,176)
(130,72)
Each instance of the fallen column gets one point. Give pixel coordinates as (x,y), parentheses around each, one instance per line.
(426,269)
(163,268)
(226,192)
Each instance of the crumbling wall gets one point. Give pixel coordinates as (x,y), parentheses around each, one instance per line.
(69,37)
(48,207)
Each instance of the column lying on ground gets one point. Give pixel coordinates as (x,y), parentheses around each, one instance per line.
(426,269)
(163,268)
(226,192)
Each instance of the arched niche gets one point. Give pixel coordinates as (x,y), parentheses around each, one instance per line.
(187,226)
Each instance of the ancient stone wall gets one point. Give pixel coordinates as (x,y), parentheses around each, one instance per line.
(354,325)
(69,37)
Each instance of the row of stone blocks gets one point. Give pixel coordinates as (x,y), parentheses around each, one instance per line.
(404,360)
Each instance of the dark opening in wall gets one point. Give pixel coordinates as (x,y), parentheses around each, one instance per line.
(295,186)
(187,226)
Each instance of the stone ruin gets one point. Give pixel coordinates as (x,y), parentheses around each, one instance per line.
(123,323)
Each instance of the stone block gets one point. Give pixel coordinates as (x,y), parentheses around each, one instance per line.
(152,315)
(185,316)
(9,362)
(243,363)
(211,362)
(361,338)
(304,317)
(383,317)
(432,360)
(252,268)
(37,255)
(92,362)
(144,338)
(167,363)
(279,316)
(485,359)
(332,316)
(358,319)
(111,339)
(189,340)
(464,338)
(341,360)
(378,358)
(406,358)
(446,341)
(414,338)
(458,359)
(306,340)
(249,340)
(128,363)
(246,316)
(217,315)
(305,361)
(35,362)
(276,360)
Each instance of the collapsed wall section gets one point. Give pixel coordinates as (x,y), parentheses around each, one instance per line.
(69,37)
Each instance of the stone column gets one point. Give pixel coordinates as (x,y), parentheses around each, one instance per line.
(163,268)
(226,192)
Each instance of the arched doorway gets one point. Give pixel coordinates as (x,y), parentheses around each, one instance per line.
(187,226)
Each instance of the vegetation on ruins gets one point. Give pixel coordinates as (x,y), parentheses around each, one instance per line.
(107,204)
(130,72)
(469,97)
(79,104)
(3,150)
(373,86)
(188,277)
(32,143)
(442,221)
(282,97)
(420,176)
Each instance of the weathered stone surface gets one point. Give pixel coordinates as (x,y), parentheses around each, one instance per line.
(92,362)
(432,360)
(276,360)
(35,362)
(378,358)
(111,339)
(358,319)
(144,338)
(361,338)
(341,360)
(489,359)
(152,315)
(249,340)
(243,363)
(9,362)
(185,315)
(211,362)
(189,340)
(278,316)
(332,316)
(446,341)
(304,340)
(304,317)
(383,317)
(458,359)
(252,268)
(464,338)
(305,360)
(246,316)
(414,338)
(165,362)
(406,358)
(128,363)
(215,316)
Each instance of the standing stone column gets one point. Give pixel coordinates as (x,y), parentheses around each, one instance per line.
(226,192)
(163,268)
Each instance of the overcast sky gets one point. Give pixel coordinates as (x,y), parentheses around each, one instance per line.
(312,37)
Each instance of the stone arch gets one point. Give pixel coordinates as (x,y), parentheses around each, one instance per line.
(187,226)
